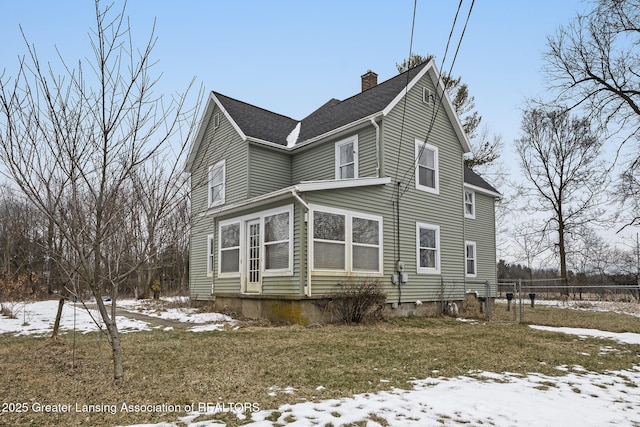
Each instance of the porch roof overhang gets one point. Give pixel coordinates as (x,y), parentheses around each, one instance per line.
(292,191)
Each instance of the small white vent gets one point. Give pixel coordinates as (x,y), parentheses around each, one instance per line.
(216,120)
(427,97)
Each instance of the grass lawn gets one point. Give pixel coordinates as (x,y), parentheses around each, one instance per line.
(256,364)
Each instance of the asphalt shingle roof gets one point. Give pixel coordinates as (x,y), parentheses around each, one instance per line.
(472,178)
(266,125)
(258,122)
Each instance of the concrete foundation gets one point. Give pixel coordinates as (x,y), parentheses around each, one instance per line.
(303,310)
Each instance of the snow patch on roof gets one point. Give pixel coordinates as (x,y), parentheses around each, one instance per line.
(293,136)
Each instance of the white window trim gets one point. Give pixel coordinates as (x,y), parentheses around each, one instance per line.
(419,148)
(348,243)
(379,245)
(288,271)
(212,203)
(210,253)
(353,139)
(216,120)
(426,95)
(241,237)
(471,215)
(243,244)
(475,259)
(427,270)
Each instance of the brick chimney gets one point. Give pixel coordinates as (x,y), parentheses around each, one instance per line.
(369,80)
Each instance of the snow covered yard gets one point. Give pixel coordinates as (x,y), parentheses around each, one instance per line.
(576,396)
(37,318)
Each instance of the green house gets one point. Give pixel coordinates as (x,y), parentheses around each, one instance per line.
(373,187)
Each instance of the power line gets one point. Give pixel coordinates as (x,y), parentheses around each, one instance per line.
(404,110)
(441,96)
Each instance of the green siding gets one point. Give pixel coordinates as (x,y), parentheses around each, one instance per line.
(481,230)
(373,200)
(318,162)
(201,284)
(221,143)
(444,209)
(269,170)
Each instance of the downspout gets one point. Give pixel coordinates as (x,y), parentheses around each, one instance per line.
(294,193)
(375,125)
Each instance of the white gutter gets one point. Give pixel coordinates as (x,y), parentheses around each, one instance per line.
(375,125)
(483,190)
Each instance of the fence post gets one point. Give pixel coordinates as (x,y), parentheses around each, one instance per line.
(520,299)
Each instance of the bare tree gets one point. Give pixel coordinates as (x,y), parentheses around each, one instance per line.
(594,63)
(75,143)
(559,156)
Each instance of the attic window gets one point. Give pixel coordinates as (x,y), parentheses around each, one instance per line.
(216,120)
(426,95)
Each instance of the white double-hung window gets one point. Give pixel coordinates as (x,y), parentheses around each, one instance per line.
(347,158)
(216,184)
(427,176)
(229,242)
(469,204)
(277,242)
(428,248)
(345,241)
(210,253)
(470,258)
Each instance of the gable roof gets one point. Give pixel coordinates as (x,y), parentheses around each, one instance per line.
(257,124)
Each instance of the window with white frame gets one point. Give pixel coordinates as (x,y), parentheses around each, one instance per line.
(229,262)
(365,244)
(275,253)
(216,120)
(347,158)
(210,252)
(470,258)
(469,204)
(277,241)
(428,248)
(426,167)
(329,241)
(346,241)
(216,184)
(426,95)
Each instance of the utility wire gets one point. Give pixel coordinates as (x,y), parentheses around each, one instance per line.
(396,188)
(441,96)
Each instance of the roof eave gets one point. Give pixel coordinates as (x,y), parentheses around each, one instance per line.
(483,190)
(302,187)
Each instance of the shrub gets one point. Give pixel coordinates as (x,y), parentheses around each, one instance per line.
(358,299)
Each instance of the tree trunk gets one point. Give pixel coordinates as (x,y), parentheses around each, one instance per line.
(56,325)
(114,338)
(563,257)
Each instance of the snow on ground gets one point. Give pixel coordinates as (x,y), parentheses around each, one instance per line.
(578,397)
(38,318)
(182,314)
